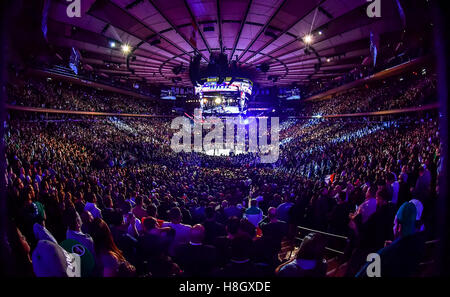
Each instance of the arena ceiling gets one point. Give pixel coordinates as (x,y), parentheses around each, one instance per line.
(164,34)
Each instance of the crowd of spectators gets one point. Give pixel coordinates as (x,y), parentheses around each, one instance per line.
(56,94)
(392,93)
(114,187)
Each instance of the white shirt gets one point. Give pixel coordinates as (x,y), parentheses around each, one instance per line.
(395,190)
(367,208)
(93,209)
(182,233)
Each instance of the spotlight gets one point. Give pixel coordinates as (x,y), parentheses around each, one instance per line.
(320,32)
(328,60)
(112,44)
(307,39)
(126,48)
(218,100)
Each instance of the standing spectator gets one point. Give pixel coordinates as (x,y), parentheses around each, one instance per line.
(91,206)
(182,232)
(254,213)
(195,258)
(111,262)
(74,223)
(213,229)
(401,257)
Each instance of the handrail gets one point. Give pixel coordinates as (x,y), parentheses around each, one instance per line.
(327,248)
(324,233)
(432,241)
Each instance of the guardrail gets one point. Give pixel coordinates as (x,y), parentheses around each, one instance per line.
(336,236)
(96,113)
(79,112)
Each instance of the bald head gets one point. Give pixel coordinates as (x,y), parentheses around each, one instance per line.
(197,233)
(272,213)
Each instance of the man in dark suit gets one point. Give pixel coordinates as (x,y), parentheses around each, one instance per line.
(195,258)
(110,214)
(241,264)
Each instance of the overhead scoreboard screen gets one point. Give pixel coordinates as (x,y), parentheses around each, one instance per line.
(228,97)
(174,92)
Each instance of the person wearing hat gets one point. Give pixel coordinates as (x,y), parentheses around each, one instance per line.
(401,258)
(51,260)
(419,221)
(254,214)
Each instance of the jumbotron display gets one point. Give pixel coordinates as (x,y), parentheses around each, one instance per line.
(227,97)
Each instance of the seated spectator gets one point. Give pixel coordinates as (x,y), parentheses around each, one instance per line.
(20,260)
(138,210)
(182,232)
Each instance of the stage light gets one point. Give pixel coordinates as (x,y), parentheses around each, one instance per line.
(320,32)
(126,48)
(218,100)
(328,60)
(112,44)
(308,39)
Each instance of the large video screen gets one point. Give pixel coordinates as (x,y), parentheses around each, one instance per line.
(238,85)
(229,97)
(293,94)
(173,93)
